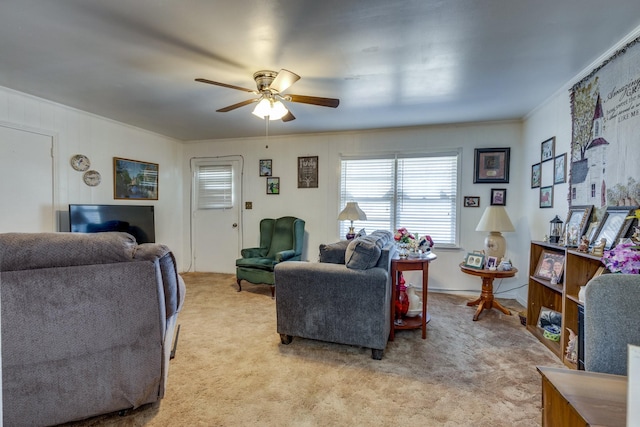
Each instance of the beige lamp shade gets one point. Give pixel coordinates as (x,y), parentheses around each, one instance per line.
(352,212)
(495,220)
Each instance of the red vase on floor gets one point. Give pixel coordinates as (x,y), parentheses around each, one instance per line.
(402,300)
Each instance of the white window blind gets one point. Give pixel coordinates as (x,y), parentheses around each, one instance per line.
(419,193)
(215,186)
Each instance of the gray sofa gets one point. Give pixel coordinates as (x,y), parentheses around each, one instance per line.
(611,321)
(88,322)
(344,298)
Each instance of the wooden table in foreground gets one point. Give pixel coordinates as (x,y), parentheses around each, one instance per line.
(411,264)
(486,301)
(581,398)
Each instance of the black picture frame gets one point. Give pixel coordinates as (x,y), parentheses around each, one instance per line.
(576,225)
(308,172)
(536,175)
(266,167)
(546,196)
(560,169)
(498,197)
(471,202)
(491,165)
(135,179)
(547,149)
(613,225)
(273,185)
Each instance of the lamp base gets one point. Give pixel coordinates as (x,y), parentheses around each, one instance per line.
(351,233)
(495,245)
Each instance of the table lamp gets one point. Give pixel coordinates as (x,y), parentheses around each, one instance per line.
(494,220)
(352,212)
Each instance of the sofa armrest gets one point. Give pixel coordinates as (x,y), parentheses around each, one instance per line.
(285,255)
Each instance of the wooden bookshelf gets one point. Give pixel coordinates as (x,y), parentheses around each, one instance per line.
(579,268)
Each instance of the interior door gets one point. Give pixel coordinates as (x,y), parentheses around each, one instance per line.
(26,181)
(216,232)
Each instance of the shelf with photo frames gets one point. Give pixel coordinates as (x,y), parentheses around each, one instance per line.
(561,297)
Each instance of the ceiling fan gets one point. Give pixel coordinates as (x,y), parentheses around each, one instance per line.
(270,85)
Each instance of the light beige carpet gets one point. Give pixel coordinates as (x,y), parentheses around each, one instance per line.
(231,370)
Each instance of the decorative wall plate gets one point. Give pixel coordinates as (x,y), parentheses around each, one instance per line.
(80,162)
(92,178)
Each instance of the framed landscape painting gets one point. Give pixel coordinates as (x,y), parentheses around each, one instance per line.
(133,179)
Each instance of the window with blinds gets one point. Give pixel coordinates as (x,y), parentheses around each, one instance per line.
(215,186)
(419,193)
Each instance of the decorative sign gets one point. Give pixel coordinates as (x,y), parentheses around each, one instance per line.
(308,172)
(605,110)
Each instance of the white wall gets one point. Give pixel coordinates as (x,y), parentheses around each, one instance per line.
(100,139)
(320,207)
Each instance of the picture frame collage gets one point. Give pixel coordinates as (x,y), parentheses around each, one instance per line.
(266,170)
(491,166)
(550,164)
(307,173)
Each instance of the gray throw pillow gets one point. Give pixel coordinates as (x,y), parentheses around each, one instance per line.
(334,252)
(363,253)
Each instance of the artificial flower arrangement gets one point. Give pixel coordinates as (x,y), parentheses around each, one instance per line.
(623,258)
(413,241)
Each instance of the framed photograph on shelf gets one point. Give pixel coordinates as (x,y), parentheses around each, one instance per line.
(273,185)
(548,319)
(133,179)
(547,149)
(546,197)
(548,264)
(498,196)
(492,262)
(266,167)
(613,225)
(576,224)
(474,260)
(471,202)
(491,165)
(536,175)
(308,172)
(560,169)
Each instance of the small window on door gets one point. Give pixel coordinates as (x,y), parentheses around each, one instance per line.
(215,186)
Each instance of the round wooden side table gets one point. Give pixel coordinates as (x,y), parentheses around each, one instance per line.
(486,300)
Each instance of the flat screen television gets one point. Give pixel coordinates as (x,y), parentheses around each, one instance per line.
(136,220)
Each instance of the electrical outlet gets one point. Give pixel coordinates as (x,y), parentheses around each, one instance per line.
(248,205)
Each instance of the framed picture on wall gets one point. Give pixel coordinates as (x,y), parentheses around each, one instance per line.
(547,149)
(491,165)
(536,175)
(498,196)
(266,167)
(471,202)
(273,185)
(133,179)
(560,169)
(546,197)
(308,172)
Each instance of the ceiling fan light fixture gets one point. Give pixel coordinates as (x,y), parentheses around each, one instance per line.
(268,108)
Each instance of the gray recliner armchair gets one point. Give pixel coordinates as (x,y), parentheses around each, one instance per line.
(344,298)
(611,321)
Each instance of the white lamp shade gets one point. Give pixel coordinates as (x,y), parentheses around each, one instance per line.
(267,108)
(495,218)
(352,212)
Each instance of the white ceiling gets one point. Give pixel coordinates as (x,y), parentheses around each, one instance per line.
(391,63)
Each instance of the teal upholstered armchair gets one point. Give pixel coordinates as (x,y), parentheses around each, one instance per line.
(280,240)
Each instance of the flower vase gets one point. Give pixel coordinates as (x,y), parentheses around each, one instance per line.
(402,301)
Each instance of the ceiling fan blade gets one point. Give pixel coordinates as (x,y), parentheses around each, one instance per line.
(211,82)
(238,105)
(314,100)
(284,80)
(288,117)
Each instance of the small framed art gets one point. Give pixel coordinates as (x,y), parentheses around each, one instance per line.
(560,169)
(492,262)
(547,149)
(498,196)
(474,260)
(266,167)
(576,224)
(273,185)
(546,197)
(535,175)
(471,202)
(491,165)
